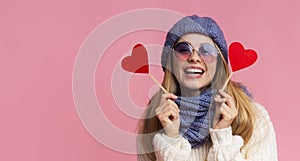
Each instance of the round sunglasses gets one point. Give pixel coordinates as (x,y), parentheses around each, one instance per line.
(184,50)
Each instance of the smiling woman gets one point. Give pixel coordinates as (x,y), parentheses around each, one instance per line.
(196,121)
(199,66)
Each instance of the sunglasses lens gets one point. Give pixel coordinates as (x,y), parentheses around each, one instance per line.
(183,51)
(208,52)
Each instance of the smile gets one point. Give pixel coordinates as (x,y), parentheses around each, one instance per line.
(194,70)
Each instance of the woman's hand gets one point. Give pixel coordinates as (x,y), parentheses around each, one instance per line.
(225,107)
(168,115)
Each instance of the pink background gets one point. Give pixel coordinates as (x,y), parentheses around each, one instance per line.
(39,42)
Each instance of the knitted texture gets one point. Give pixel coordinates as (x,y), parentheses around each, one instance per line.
(194,117)
(226,146)
(194,24)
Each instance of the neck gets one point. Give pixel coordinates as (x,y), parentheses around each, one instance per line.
(190,92)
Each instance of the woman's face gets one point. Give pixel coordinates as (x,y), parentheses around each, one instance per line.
(194,72)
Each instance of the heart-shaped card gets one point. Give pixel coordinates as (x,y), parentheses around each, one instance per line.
(138,61)
(240,57)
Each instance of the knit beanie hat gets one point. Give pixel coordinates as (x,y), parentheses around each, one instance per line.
(194,24)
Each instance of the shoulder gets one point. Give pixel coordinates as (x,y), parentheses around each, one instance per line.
(261,113)
(263,124)
(262,144)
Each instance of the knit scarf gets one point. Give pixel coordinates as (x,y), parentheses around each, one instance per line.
(196,117)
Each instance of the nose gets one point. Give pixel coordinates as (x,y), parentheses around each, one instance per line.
(195,57)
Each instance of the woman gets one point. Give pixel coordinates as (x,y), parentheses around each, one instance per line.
(196,121)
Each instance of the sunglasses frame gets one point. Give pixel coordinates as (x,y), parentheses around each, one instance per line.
(218,51)
(193,50)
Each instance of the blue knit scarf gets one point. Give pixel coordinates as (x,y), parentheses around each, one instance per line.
(195,117)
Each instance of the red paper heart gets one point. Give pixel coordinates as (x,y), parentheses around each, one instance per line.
(138,61)
(239,57)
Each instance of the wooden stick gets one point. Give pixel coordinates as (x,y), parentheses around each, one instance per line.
(225,84)
(155,80)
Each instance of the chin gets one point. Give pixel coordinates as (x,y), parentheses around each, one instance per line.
(189,85)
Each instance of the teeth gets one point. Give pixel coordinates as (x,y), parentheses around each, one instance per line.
(194,71)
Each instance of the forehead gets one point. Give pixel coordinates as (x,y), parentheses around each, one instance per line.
(196,39)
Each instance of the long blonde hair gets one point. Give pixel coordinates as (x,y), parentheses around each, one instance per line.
(242,125)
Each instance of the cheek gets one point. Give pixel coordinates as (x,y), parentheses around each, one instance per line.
(211,68)
(176,68)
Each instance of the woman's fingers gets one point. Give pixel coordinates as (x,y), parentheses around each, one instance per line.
(226,108)
(227,117)
(169,108)
(173,106)
(222,97)
(168,111)
(167,96)
(227,112)
(228,99)
(168,115)
(166,99)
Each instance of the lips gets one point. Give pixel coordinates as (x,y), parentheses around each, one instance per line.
(193,72)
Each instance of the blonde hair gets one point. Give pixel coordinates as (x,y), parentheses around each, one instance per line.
(242,125)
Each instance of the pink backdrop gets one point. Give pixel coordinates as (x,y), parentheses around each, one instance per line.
(39,42)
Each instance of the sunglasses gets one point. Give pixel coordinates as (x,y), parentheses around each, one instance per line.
(185,50)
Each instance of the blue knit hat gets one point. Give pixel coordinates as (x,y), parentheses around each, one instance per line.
(194,24)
